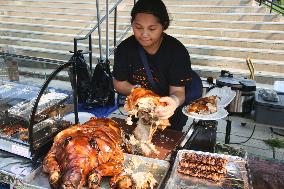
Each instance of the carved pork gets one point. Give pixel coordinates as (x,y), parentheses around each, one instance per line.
(142,104)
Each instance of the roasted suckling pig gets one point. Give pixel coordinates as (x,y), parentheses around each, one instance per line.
(204,106)
(142,104)
(83,154)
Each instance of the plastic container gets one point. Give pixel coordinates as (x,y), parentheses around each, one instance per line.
(267,112)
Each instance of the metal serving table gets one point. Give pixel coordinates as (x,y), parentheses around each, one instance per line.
(15,170)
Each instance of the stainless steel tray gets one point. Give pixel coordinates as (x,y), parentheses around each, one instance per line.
(237,176)
(47,103)
(157,167)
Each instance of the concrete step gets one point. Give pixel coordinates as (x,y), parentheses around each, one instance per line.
(45,27)
(49,21)
(231,42)
(59,15)
(67,4)
(56,8)
(221,52)
(237,63)
(209,8)
(56,37)
(39,43)
(236,52)
(227,16)
(208,2)
(74,30)
(217,32)
(254,25)
(225,32)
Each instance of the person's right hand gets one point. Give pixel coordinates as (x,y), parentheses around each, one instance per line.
(165,112)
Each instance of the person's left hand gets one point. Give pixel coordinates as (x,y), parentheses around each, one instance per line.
(165,112)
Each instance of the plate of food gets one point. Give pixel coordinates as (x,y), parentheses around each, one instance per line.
(225,95)
(205,109)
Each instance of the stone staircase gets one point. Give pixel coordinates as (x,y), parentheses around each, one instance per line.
(219,34)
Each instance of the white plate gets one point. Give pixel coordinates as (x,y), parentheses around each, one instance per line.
(220,114)
(225,94)
(83,117)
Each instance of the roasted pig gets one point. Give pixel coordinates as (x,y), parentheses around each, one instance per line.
(83,154)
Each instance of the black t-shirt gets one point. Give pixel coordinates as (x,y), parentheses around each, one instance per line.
(170,65)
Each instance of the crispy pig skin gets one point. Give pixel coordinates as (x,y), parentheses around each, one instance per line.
(83,154)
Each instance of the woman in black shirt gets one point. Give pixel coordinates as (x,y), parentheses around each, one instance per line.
(167,57)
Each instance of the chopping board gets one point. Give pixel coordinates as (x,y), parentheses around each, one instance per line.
(166,141)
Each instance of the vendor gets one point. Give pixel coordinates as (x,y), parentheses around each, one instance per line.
(168,60)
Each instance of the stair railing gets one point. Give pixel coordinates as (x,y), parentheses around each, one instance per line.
(89,37)
(272,5)
(97,27)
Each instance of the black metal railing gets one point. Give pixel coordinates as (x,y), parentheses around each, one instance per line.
(97,27)
(272,5)
(89,37)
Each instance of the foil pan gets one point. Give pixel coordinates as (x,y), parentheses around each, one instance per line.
(45,105)
(16,90)
(236,177)
(157,167)
(12,126)
(16,129)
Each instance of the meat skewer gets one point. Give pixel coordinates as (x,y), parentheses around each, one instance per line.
(204,159)
(199,173)
(202,167)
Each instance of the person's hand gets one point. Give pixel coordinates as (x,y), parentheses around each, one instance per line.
(165,112)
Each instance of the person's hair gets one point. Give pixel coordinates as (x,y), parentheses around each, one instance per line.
(154,7)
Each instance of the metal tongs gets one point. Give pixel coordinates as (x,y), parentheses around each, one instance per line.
(251,68)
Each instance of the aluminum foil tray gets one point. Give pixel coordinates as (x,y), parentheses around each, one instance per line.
(47,101)
(16,90)
(157,167)
(237,176)
(42,130)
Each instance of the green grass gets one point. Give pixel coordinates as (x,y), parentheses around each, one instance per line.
(276,143)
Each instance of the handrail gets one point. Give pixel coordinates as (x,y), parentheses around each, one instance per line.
(89,34)
(272,5)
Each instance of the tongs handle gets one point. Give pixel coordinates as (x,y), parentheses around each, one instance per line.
(251,67)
